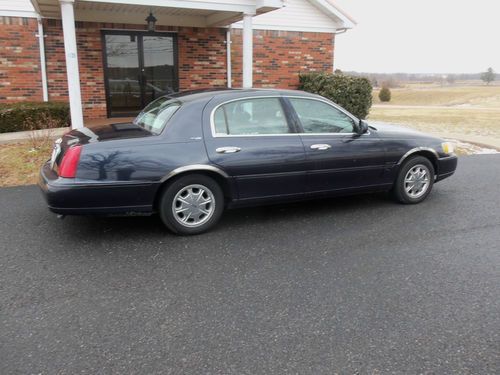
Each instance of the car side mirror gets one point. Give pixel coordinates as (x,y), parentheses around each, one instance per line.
(362,127)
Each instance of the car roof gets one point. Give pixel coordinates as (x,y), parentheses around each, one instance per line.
(207,94)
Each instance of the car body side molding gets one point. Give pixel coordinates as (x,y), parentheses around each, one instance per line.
(415,150)
(194,168)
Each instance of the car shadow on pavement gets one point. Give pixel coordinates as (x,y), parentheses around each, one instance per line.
(253,218)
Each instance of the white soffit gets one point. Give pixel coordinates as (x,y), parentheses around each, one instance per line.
(197,13)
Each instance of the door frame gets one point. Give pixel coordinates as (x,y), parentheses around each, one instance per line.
(140,50)
(343,140)
(251,184)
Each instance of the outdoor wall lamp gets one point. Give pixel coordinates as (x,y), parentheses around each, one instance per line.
(151,20)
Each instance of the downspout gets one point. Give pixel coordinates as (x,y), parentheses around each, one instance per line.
(337,32)
(43,69)
(228,57)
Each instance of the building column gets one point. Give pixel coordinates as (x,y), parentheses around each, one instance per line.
(43,67)
(247,51)
(70,49)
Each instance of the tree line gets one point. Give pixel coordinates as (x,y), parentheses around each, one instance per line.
(393,79)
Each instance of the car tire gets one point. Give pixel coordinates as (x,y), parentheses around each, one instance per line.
(191,204)
(415,180)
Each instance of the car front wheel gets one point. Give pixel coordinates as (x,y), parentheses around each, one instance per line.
(191,204)
(415,180)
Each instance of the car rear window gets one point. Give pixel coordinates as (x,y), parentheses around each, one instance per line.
(155,116)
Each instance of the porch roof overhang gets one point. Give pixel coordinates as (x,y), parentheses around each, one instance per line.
(193,13)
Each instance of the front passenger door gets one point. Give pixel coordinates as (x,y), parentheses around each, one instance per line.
(337,156)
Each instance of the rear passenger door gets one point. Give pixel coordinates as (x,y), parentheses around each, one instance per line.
(253,141)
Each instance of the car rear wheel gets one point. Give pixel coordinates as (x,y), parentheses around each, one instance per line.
(415,180)
(191,204)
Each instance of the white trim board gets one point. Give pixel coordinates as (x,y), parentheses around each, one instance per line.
(305,29)
(17,13)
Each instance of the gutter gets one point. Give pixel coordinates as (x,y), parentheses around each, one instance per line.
(341,31)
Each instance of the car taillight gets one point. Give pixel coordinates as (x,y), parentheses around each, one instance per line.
(69,163)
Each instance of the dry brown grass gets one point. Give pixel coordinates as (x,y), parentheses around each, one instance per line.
(441,120)
(466,112)
(20,162)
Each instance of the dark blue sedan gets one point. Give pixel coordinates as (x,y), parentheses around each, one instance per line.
(189,156)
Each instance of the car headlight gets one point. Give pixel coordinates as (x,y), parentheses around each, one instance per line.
(448,148)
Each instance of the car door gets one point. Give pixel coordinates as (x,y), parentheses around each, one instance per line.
(253,140)
(337,156)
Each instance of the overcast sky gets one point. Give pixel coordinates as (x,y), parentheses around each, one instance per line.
(423,36)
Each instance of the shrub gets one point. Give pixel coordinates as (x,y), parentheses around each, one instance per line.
(352,93)
(41,139)
(33,116)
(385,94)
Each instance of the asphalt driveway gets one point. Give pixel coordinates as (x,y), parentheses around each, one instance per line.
(353,285)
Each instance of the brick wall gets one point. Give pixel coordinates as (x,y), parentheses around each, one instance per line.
(202,60)
(279,56)
(20,78)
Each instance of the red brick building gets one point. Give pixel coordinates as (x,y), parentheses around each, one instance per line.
(100,55)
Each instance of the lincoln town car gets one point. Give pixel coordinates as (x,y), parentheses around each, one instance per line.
(189,156)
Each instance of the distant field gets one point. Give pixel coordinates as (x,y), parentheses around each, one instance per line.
(468,112)
(449,95)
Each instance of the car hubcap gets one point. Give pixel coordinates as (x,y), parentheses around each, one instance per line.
(193,205)
(417,181)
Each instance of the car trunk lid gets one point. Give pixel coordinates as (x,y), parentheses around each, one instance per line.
(93,134)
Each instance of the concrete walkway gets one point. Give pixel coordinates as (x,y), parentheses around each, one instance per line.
(16,137)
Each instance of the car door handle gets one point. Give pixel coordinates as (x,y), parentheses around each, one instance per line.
(227,150)
(321,147)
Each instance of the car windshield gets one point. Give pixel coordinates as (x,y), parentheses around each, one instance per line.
(156,114)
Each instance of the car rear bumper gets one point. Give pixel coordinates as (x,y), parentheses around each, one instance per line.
(446,167)
(67,196)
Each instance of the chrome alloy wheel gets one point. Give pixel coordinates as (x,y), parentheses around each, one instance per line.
(193,205)
(417,181)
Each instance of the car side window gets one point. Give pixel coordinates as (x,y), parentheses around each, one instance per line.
(320,117)
(254,116)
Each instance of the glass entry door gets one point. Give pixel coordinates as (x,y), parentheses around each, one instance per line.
(138,68)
